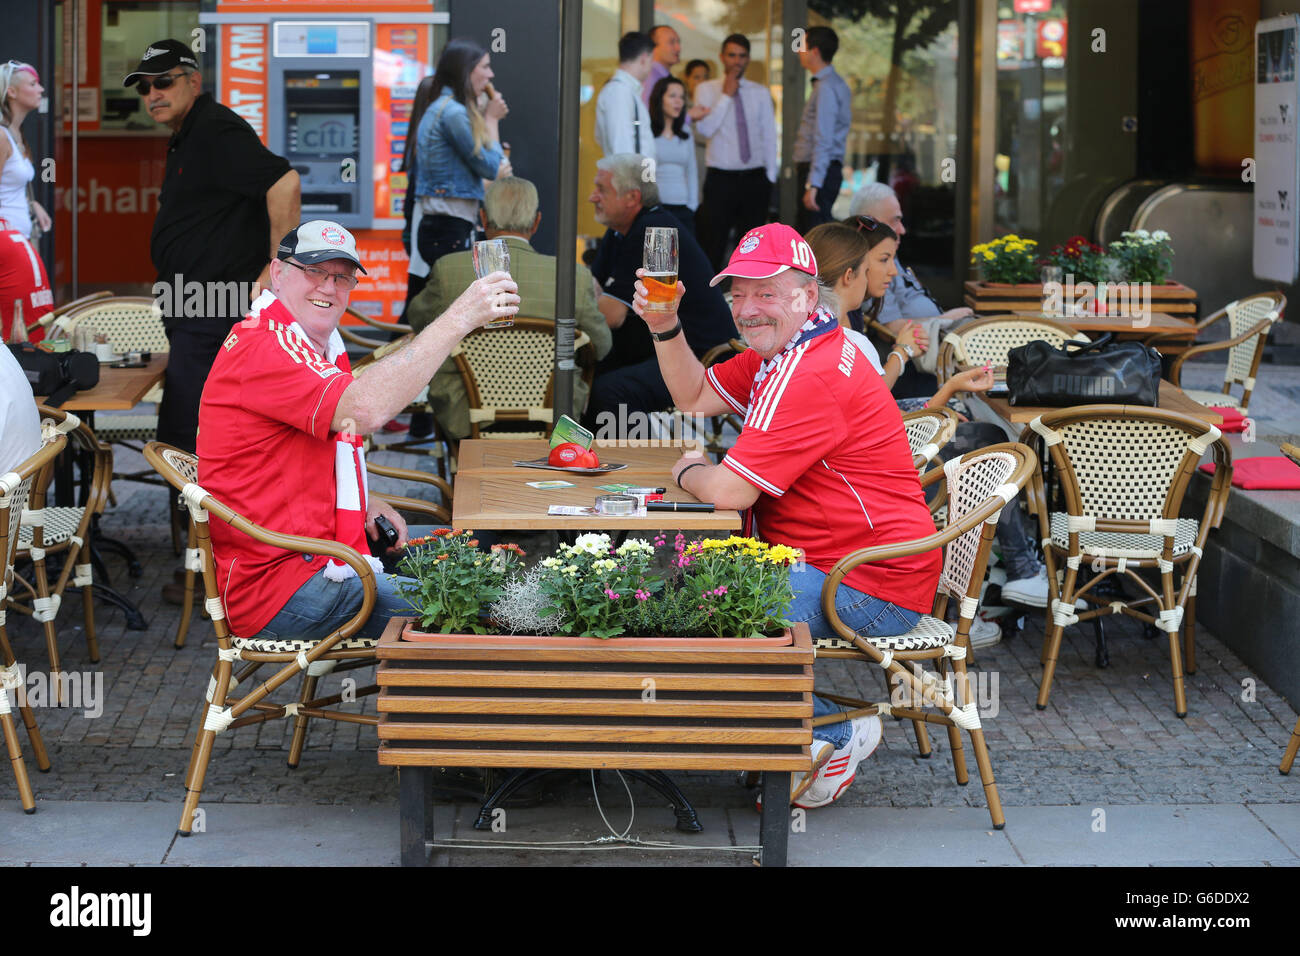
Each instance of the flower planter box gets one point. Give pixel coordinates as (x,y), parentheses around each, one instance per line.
(999,298)
(453,700)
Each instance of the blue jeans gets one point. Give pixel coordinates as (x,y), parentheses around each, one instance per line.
(321,606)
(867,615)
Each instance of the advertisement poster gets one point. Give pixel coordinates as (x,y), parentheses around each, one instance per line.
(1277,172)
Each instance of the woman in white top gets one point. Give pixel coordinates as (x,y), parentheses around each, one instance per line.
(22,274)
(675,172)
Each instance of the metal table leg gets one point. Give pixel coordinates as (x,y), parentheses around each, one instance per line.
(774,825)
(415,808)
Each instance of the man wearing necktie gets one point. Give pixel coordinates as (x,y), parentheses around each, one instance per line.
(823,131)
(741,157)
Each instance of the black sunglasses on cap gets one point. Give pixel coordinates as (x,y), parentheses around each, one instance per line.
(164,82)
(866,224)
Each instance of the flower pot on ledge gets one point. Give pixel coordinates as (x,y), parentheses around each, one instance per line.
(1000,298)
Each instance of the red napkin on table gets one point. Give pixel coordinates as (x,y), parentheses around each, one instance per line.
(1263,474)
(1233,420)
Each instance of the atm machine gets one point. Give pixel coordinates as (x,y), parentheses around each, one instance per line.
(320,84)
(329,85)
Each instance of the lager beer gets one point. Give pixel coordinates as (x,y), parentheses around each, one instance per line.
(661,291)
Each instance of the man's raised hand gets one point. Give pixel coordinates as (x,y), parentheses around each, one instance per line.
(493,297)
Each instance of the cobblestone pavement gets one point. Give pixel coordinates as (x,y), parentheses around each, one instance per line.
(1108,735)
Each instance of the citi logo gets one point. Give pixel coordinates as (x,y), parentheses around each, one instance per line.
(76,909)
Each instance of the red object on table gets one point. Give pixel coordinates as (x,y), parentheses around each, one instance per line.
(1233,419)
(1271,473)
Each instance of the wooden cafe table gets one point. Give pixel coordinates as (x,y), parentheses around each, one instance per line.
(492,493)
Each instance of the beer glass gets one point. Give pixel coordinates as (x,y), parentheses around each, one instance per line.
(493,255)
(660,264)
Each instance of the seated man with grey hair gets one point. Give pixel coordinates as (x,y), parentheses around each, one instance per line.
(628,380)
(907,298)
(510,212)
(822,464)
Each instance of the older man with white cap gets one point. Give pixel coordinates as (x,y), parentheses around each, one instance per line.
(822,462)
(281,427)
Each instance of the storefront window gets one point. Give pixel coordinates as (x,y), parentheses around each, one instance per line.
(128,29)
(902,70)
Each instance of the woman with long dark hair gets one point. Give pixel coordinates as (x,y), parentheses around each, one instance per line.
(458,145)
(22,273)
(675,170)
(417,270)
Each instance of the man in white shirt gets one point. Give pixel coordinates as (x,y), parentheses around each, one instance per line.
(622,118)
(741,158)
(20,425)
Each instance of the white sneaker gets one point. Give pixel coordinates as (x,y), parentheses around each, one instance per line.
(834,778)
(1031,592)
(822,751)
(984,633)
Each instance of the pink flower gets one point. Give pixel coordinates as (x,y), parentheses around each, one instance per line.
(612,595)
(642,595)
(720,590)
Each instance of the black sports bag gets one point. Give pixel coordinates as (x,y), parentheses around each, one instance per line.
(1100,372)
(56,374)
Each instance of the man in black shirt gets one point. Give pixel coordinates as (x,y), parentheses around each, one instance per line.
(628,380)
(225,199)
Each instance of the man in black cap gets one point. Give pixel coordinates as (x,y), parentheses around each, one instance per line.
(224,196)
(281,429)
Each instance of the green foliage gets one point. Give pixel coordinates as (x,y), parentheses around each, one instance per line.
(453,582)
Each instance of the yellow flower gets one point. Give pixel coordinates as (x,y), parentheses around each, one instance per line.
(989,255)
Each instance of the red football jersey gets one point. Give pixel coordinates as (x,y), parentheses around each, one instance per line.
(824,443)
(266,449)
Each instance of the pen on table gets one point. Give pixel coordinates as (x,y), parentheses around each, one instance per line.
(678,506)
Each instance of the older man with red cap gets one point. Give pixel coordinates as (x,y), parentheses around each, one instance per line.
(822,462)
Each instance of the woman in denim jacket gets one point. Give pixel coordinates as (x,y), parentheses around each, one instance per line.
(457,147)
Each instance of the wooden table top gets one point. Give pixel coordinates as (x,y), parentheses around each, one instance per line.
(119,389)
(502,500)
(1159,324)
(1172,399)
(484,454)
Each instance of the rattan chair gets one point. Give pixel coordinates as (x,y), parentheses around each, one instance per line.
(187,466)
(987,341)
(339,651)
(63,530)
(1249,322)
(980,484)
(928,430)
(1123,471)
(54,321)
(509,377)
(15,489)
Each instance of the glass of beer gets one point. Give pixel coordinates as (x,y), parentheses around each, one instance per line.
(660,264)
(493,255)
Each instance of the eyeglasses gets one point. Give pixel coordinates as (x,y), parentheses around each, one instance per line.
(164,82)
(320,276)
(866,224)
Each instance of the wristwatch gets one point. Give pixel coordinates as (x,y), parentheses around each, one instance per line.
(911,352)
(672,333)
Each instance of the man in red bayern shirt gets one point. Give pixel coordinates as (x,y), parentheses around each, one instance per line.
(822,463)
(280,429)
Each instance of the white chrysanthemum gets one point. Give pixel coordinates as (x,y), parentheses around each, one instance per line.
(592,544)
(551,562)
(1160,235)
(605,564)
(571,570)
(635,544)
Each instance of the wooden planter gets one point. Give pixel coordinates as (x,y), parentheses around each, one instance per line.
(999,298)
(409,633)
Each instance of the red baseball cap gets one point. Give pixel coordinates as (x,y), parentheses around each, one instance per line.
(769,250)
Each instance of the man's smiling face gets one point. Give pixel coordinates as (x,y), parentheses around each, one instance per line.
(768,312)
(318,305)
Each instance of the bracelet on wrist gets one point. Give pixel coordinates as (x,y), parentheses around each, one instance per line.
(696,464)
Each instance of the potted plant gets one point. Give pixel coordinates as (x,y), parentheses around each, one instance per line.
(712,589)
(1007,260)
(1145,256)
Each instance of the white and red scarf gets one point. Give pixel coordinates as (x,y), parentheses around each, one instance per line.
(351,491)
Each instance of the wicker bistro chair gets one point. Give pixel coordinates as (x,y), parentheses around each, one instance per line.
(1123,471)
(928,430)
(221,711)
(187,466)
(15,490)
(980,484)
(987,341)
(509,376)
(48,530)
(1249,322)
(55,322)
